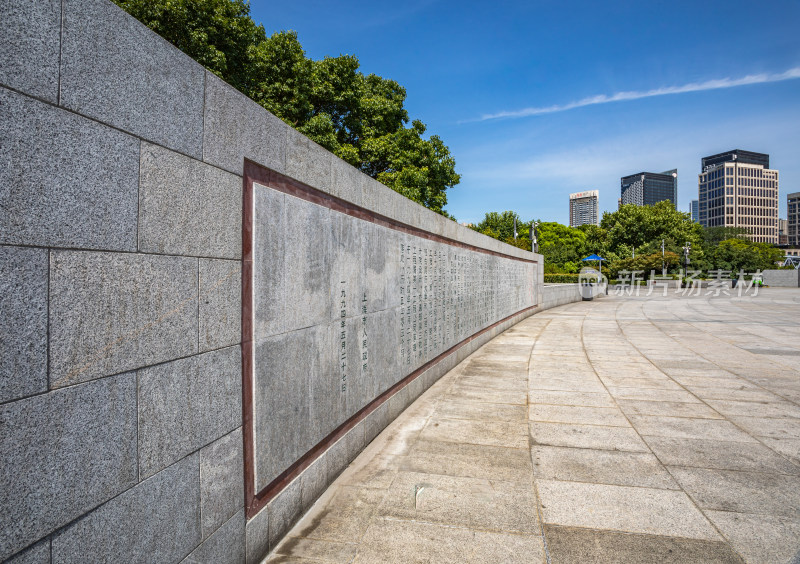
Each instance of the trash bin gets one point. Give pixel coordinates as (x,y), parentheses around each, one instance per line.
(587,291)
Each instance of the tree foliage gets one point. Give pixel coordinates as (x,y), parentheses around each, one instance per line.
(743,254)
(645,263)
(713,236)
(501,227)
(360,118)
(562,245)
(631,238)
(641,229)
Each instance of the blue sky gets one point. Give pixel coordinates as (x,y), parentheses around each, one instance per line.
(540,99)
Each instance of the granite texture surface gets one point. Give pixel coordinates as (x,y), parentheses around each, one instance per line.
(67,181)
(221,486)
(187,404)
(187,207)
(39,553)
(220,311)
(225,546)
(23,325)
(141,84)
(63,454)
(147,304)
(237,128)
(30,42)
(162,510)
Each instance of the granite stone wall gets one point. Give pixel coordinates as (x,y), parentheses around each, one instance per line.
(781,278)
(124,423)
(554,295)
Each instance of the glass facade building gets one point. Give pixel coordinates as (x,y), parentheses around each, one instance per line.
(584,208)
(694,210)
(793,219)
(737,155)
(648,188)
(738,189)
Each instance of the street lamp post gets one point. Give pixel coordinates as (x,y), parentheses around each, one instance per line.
(535,236)
(686,261)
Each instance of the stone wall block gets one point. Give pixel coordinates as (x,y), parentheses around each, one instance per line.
(378,198)
(156,521)
(308,162)
(346,181)
(221,484)
(307,264)
(397,403)
(345,450)
(257,537)
(186,404)
(30,41)
(220,314)
(225,546)
(63,454)
(39,553)
(392,241)
(23,323)
(269,254)
(346,286)
(66,181)
(113,312)
(237,128)
(187,207)
(375,422)
(281,394)
(284,511)
(314,480)
(334,383)
(141,83)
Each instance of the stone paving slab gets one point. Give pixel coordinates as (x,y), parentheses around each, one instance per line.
(624,430)
(622,508)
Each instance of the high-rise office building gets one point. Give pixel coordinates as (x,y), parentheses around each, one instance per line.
(583,208)
(694,210)
(647,188)
(783,236)
(793,219)
(738,189)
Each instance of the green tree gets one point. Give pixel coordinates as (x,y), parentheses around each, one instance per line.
(501,227)
(562,245)
(645,263)
(713,236)
(642,228)
(280,78)
(360,118)
(597,240)
(743,254)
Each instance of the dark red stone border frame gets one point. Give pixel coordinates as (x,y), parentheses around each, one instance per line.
(255,173)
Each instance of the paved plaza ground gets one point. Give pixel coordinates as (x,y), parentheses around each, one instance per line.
(627,429)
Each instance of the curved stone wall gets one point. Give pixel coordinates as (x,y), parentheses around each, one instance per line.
(172,264)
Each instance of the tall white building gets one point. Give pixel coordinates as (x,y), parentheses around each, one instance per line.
(584,208)
(738,189)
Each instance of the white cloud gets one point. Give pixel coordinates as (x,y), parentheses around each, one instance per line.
(715,84)
(535,181)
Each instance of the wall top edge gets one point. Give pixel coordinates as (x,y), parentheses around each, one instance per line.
(312,164)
